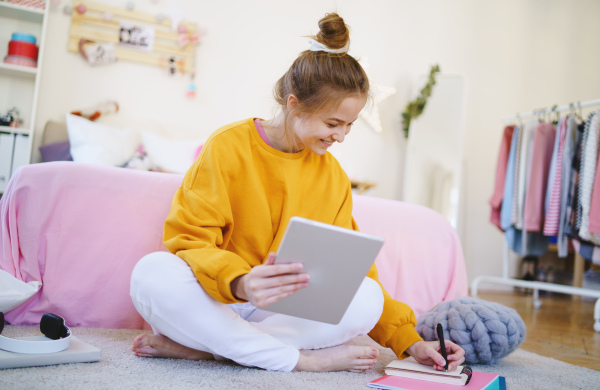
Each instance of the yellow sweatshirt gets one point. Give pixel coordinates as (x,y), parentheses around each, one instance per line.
(234,205)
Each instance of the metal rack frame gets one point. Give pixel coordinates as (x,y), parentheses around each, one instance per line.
(545,286)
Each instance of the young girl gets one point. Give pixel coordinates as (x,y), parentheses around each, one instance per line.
(227,219)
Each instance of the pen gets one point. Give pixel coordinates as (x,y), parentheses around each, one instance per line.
(440,332)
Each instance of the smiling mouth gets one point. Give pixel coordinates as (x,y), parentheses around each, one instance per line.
(327,143)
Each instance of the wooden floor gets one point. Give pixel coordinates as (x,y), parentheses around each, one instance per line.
(562,328)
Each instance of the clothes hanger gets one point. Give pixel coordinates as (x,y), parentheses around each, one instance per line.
(518,121)
(540,114)
(573,111)
(580,113)
(557,116)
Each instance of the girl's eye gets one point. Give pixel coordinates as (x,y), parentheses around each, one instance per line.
(331,125)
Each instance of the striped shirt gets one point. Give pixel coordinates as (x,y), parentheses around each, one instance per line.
(553,212)
(588,173)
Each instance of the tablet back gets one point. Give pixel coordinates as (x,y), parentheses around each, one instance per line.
(337,260)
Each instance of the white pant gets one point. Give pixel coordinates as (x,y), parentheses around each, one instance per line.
(167,294)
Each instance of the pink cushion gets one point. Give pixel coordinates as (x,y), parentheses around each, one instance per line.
(421,262)
(80,229)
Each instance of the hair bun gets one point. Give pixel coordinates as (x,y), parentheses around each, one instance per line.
(334,33)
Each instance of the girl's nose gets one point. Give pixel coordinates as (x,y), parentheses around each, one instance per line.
(339,136)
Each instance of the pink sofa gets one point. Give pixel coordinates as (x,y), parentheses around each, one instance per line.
(79,230)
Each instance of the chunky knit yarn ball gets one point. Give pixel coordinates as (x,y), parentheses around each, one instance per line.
(487,331)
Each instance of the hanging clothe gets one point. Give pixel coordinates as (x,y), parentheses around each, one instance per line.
(573,196)
(537,183)
(553,192)
(550,188)
(595,205)
(522,171)
(519,241)
(562,241)
(588,174)
(515,178)
(501,166)
(506,204)
(578,212)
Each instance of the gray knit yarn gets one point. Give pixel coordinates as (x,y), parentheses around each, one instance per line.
(487,331)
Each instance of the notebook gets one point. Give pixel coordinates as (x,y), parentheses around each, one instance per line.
(337,260)
(410,368)
(479,381)
(78,352)
(408,374)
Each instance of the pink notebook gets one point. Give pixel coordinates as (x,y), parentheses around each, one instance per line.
(479,381)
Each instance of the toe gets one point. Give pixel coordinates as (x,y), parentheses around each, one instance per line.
(375,353)
(139,340)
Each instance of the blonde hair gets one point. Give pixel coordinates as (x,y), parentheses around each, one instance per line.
(320,79)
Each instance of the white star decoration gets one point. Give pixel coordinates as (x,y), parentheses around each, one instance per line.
(370,113)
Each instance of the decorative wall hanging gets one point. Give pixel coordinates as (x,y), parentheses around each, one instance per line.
(130,30)
(416,107)
(371,113)
(136,37)
(97,53)
(191,89)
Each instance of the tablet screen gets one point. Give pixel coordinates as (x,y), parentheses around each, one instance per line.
(337,260)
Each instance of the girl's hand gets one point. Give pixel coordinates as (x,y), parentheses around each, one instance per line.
(427,352)
(268,283)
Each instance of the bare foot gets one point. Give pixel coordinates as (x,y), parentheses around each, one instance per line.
(157,345)
(345,357)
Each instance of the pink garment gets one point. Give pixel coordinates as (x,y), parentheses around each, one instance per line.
(80,229)
(197,152)
(541,155)
(594,226)
(421,262)
(261,131)
(496,199)
(552,215)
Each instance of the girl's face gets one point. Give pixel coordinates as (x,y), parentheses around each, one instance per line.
(320,130)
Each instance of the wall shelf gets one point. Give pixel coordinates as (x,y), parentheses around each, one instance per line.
(14,130)
(17,70)
(19,86)
(15,11)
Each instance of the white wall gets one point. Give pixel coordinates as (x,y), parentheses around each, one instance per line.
(434,149)
(516,55)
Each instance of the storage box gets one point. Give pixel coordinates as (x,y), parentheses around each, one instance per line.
(38,4)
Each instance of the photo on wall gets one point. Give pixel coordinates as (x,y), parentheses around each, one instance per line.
(141,38)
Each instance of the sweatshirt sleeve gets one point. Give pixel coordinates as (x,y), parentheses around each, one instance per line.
(396,327)
(199,225)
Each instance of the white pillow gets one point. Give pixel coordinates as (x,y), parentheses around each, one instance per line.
(94,143)
(14,292)
(169,155)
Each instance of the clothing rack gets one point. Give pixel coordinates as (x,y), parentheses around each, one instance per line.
(550,110)
(579,261)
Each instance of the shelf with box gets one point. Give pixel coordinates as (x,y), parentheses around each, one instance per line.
(20,10)
(22,31)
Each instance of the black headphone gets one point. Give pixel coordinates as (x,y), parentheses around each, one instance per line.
(51,325)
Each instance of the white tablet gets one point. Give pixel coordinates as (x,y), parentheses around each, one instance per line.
(337,260)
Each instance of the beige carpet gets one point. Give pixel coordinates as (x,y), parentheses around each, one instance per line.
(119,369)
